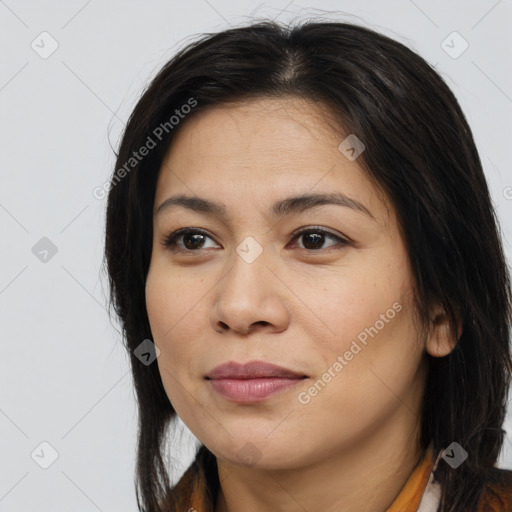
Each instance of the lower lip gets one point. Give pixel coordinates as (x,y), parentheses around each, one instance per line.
(251,390)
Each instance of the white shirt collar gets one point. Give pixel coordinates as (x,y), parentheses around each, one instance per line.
(431,497)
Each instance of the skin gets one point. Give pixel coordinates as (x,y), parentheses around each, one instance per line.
(353,446)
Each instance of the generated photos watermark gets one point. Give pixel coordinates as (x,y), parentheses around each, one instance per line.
(157,135)
(304,397)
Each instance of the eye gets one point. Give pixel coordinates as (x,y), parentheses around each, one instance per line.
(314,237)
(191,240)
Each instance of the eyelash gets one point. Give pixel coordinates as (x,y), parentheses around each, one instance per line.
(169,241)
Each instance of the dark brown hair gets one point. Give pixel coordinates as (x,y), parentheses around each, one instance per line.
(421,153)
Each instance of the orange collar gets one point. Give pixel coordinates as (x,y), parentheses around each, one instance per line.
(191,490)
(411,493)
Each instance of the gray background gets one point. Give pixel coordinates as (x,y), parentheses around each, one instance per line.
(64,376)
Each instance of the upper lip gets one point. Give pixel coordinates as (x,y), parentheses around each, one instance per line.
(252,370)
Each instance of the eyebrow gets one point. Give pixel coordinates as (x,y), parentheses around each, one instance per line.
(281,208)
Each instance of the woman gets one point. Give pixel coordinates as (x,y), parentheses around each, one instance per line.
(300,222)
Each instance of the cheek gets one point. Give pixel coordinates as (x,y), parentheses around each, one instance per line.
(172,302)
(368,319)
(355,300)
(175,310)
(375,359)
(359,385)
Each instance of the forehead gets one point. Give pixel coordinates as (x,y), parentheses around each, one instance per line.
(265,148)
(276,124)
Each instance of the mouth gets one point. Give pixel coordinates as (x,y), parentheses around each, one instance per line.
(253,381)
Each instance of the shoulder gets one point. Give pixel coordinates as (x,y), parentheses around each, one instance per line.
(497,493)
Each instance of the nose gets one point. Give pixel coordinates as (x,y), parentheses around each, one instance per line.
(250,297)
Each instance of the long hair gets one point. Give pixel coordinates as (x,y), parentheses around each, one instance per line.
(419,151)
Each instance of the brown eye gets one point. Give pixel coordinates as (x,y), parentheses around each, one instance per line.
(193,240)
(186,240)
(314,238)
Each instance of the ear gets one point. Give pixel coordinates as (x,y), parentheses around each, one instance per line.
(440,339)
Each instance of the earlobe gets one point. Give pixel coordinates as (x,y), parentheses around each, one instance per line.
(440,339)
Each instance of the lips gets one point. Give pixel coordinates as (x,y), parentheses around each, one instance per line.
(253,381)
(252,370)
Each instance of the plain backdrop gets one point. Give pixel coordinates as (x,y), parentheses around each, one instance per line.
(70,75)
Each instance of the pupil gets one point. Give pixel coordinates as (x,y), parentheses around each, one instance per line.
(317,238)
(195,237)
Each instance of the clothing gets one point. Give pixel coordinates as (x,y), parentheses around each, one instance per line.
(412,493)
(196,490)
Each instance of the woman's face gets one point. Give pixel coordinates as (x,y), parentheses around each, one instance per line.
(333,304)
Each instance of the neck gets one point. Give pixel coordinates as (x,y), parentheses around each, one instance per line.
(367,475)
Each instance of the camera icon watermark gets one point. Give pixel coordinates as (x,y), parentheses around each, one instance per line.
(249,454)
(454,455)
(249,249)
(44,250)
(44,455)
(147,352)
(44,45)
(454,45)
(352,147)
